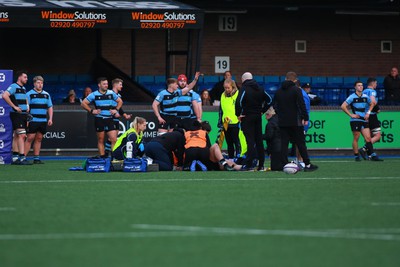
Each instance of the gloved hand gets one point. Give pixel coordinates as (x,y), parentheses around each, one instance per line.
(141,147)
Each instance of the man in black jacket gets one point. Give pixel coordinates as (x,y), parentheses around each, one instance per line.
(291,109)
(251,103)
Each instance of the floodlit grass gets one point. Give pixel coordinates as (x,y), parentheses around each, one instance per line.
(345,214)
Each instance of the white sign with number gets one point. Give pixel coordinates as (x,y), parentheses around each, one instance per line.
(222,64)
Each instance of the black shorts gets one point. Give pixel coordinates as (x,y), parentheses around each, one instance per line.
(373,121)
(170,122)
(104,124)
(19,120)
(357,126)
(116,124)
(37,127)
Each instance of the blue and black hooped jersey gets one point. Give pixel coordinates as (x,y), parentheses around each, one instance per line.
(359,105)
(105,102)
(371,92)
(168,101)
(18,96)
(184,106)
(38,104)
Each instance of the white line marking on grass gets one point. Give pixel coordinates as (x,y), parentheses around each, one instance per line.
(393,204)
(289,178)
(337,233)
(190,231)
(7,209)
(63,236)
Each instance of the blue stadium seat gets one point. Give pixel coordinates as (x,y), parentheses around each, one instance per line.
(332,96)
(364,80)
(348,81)
(159,79)
(51,78)
(271,84)
(67,78)
(211,79)
(380,80)
(84,78)
(304,79)
(381,94)
(318,81)
(334,82)
(145,79)
(259,79)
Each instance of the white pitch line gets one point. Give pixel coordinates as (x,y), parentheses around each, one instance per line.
(62,236)
(338,233)
(7,209)
(289,178)
(190,231)
(393,204)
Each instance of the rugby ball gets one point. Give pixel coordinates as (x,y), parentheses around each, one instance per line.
(291,168)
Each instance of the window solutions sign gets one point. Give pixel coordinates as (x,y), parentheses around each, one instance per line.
(99,14)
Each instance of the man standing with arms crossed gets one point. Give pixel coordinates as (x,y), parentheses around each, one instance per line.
(104,112)
(15,96)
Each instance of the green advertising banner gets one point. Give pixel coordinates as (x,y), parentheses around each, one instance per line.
(331,130)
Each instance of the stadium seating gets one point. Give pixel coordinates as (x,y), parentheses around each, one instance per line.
(332,89)
(348,81)
(334,82)
(319,82)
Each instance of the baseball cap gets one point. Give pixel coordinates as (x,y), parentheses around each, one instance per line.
(182,77)
(306,85)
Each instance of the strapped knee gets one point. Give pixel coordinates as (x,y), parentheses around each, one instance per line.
(19,132)
(376,131)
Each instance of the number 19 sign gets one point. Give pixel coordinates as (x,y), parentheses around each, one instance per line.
(222,64)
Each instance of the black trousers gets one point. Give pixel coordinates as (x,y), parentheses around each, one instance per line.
(232,141)
(296,135)
(252,130)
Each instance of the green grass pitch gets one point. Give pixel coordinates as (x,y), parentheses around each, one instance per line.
(345,214)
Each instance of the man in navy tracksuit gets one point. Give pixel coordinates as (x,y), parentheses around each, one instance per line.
(251,103)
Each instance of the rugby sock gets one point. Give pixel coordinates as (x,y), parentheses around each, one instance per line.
(370,149)
(103,156)
(356,155)
(22,157)
(14,156)
(36,157)
(108,147)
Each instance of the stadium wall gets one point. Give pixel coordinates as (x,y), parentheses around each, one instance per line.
(263,44)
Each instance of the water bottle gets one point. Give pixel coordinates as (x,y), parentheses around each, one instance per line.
(129,149)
